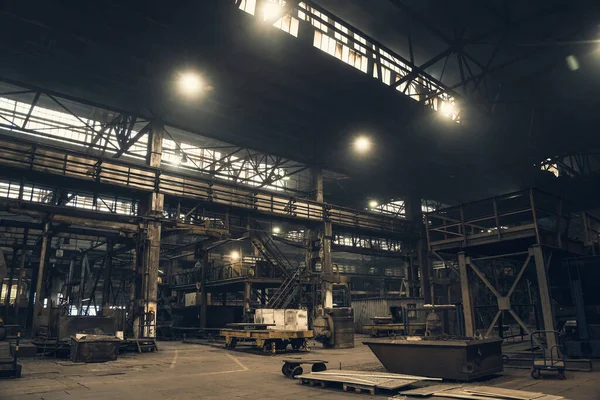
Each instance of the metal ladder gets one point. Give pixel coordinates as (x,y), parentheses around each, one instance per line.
(286,293)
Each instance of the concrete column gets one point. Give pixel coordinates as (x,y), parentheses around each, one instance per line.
(326,287)
(151,252)
(466,295)
(545,297)
(39,301)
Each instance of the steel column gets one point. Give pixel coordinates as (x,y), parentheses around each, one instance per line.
(425,265)
(151,246)
(11,274)
(466,295)
(327,266)
(544,290)
(21,272)
(204,294)
(107,276)
(39,302)
(247,300)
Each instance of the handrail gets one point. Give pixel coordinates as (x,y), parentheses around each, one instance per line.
(27,154)
(526,209)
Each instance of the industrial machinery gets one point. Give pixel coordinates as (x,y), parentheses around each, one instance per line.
(334,327)
(433,324)
(391,325)
(431,320)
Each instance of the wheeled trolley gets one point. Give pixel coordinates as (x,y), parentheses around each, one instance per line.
(269,340)
(552,359)
(292,367)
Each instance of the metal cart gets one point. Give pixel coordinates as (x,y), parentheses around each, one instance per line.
(292,366)
(552,359)
(269,340)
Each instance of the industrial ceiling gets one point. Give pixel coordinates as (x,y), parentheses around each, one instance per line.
(522,100)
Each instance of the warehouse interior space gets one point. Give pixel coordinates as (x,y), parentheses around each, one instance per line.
(275,199)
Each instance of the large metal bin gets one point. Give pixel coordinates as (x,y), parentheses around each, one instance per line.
(94,348)
(461,360)
(343,326)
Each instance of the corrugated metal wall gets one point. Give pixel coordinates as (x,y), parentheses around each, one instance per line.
(365,309)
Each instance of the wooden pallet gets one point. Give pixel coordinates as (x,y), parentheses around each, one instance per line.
(356,381)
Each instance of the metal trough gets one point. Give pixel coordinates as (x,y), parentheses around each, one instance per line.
(461,360)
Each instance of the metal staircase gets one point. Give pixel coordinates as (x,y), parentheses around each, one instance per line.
(292,283)
(287,292)
(269,250)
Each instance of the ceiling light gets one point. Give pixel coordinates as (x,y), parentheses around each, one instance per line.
(271,11)
(448,109)
(276,229)
(234,255)
(373,203)
(362,144)
(189,84)
(572,63)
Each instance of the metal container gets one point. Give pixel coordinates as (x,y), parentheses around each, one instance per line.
(94,348)
(343,326)
(461,360)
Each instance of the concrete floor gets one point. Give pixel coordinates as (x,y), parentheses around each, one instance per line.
(188,371)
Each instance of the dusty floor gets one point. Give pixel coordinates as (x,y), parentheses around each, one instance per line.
(188,371)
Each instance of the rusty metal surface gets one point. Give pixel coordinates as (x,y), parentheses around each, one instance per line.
(94,348)
(462,360)
(343,327)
